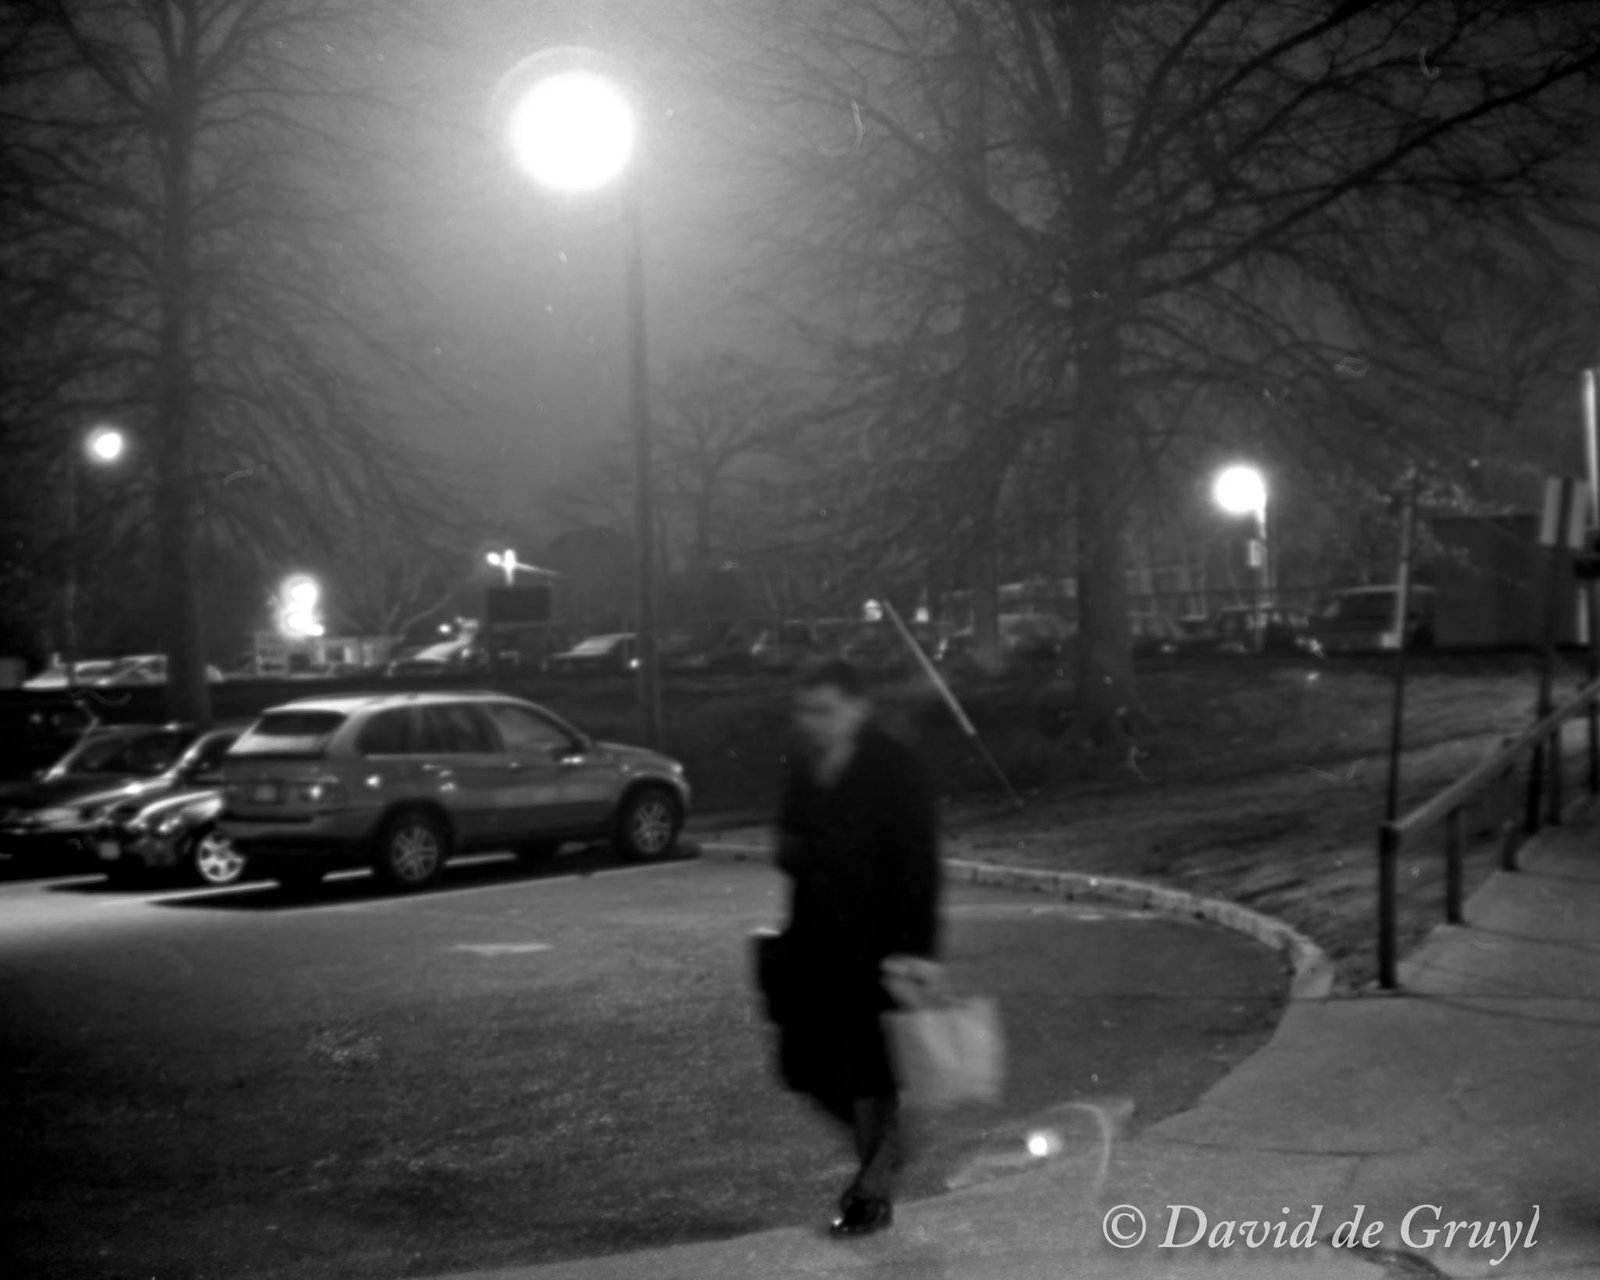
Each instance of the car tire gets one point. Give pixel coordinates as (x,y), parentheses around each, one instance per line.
(411,850)
(215,860)
(648,823)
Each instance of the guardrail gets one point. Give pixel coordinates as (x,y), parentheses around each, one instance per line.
(1545,788)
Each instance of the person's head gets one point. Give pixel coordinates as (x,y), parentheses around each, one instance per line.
(831,703)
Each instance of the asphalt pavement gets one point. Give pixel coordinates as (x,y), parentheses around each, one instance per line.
(1451,1129)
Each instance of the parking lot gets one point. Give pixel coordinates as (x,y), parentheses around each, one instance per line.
(516,1067)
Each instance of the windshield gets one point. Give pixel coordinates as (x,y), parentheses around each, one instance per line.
(289,733)
(144,755)
(599,644)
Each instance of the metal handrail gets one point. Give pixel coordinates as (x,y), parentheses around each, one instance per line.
(1446,807)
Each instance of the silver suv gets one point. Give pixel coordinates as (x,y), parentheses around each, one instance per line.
(402,781)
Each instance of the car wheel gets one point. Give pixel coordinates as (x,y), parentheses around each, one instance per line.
(648,823)
(411,850)
(216,859)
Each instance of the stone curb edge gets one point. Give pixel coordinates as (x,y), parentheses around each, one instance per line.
(1311,971)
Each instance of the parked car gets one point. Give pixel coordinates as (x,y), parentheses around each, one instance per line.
(1024,638)
(1364,618)
(691,653)
(611,655)
(785,647)
(1154,635)
(136,669)
(402,782)
(174,827)
(52,818)
(1281,629)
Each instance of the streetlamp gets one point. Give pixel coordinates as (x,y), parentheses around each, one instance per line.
(1241,490)
(571,127)
(101,446)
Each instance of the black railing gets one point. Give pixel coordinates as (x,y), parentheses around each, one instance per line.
(1545,802)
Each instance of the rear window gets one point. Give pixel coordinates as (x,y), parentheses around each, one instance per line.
(289,733)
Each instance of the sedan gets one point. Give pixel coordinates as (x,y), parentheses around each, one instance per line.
(52,818)
(174,829)
(611,655)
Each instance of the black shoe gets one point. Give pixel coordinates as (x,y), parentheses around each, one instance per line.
(862,1216)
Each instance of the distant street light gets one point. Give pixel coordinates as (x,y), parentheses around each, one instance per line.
(572,129)
(101,446)
(1240,491)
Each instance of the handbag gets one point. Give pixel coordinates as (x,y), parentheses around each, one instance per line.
(946,1052)
(775,972)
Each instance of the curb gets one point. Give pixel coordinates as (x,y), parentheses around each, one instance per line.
(1311,971)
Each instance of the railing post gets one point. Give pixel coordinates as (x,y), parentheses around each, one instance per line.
(1557,783)
(1530,815)
(1452,867)
(1388,876)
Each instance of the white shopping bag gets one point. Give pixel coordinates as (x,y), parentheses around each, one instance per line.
(947,1052)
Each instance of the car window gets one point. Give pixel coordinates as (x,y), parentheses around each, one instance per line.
(295,734)
(148,754)
(394,732)
(458,729)
(524,730)
(206,755)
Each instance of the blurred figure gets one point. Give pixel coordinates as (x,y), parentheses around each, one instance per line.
(858,841)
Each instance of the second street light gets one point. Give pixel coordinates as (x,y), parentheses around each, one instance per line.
(101,447)
(1242,491)
(572,129)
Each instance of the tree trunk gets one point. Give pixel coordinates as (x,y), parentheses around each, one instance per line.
(1104,663)
(978,394)
(176,482)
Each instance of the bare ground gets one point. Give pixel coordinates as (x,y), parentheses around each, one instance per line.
(1267,789)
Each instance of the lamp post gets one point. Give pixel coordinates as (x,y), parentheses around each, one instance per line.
(572,129)
(1241,490)
(101,446)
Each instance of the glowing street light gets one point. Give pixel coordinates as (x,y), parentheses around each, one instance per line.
(297,617)
(1241,490)
(572,128)
(101,446)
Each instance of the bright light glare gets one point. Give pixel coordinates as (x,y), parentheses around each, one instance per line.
(573,131)
(1044,1142)
(1240,490)
(106,444)
(300,593)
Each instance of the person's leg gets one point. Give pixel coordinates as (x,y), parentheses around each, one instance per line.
(876,1126)
(866,1205)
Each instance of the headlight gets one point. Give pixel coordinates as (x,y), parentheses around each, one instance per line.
(170,826)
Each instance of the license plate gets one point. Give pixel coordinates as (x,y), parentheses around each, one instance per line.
(265,793)
(109,850)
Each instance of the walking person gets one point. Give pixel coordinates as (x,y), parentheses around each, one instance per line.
(858,842)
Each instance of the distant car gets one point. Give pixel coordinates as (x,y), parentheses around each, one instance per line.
(1025,638)
(402,782)
(174,828)
(609,655)
(690,653)
(1361,619)
(52,817)
(1154,635)
(1281,629)
(785,647)
(137,669)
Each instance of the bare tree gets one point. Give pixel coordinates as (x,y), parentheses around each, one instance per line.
(187,201)
(1174,198)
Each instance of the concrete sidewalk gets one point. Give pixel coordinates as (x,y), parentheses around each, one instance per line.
(1472,1096)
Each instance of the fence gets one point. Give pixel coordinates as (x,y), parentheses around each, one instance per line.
(1545,791)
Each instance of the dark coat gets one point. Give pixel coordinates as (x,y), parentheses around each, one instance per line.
(863,863)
